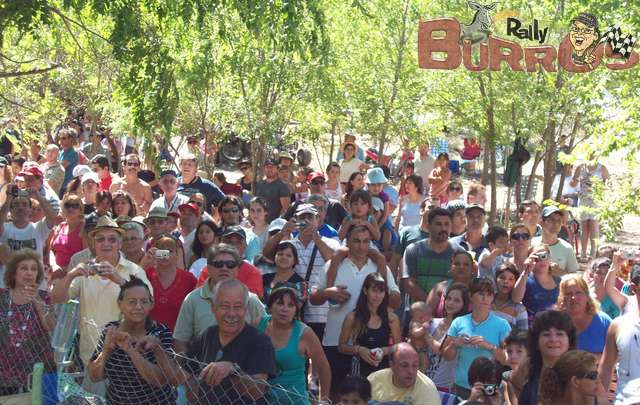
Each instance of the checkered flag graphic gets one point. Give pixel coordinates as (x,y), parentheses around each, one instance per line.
(621,45)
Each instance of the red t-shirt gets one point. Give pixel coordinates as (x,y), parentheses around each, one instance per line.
(233,189)
(105,184)
(167,301)
(247,273)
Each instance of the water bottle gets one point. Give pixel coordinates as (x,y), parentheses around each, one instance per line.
(65,330)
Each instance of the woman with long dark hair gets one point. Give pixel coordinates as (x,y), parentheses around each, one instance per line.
(369,332)
(503,306)
(286,259)
(205,237)
(355,182)
(122,204)
(463,269)
(551,335)
(441,371)
(294,343)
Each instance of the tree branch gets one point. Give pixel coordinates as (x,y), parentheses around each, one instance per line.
(28,72)
(18,104)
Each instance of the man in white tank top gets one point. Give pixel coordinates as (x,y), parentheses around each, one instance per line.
(622,347)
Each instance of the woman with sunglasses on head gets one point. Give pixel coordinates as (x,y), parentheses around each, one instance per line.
(520,241)
(572,380)
(595,278)
(286,259)
(369,332)
(454,190)
(294,343)
(537,288)
(551,335)
(132,353)
(65,238)
(591,324)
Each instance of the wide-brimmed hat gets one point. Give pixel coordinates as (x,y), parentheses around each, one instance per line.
(157,212)
(106,223)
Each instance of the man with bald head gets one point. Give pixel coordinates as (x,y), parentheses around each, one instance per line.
(402,381)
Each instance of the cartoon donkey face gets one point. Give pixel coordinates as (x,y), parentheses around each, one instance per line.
(482,19)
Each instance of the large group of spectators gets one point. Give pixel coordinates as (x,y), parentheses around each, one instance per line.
(334,285)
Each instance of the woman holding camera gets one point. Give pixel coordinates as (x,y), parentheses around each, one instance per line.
(170,284)
(536,287)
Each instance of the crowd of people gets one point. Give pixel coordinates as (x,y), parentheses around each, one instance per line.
(305,285)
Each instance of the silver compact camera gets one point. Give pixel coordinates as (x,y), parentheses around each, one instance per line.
(542,255)
(93,267)
(162,254)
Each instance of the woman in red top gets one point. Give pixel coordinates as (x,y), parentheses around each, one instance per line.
(65,238)
(170,284)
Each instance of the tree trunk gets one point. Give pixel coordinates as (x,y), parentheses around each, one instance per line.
(334,127)
(550,145)
(402,45)
(486,162)
(572,138)
(491,144)
(536,161)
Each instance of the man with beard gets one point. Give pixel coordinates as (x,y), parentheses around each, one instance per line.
(427,262)
(139,190)
(473,239)
(239,356)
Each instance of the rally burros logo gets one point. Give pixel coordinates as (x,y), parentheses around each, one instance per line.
(445,44)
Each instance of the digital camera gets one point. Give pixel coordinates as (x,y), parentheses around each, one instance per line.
(490,389)
(93,267)
(162,254)
(542,255)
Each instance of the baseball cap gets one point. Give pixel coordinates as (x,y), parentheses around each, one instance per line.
(234,230)
(474,206)
(188,156)
(191,206)
(157,212)
(455,205)
(276,225)
(306,209)
(315,175)
(550,210)
(271,162)
(3,161)
(32,171)
(80,170)
(91,176)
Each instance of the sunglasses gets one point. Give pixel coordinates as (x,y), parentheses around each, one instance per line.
(455,189)
(520,236)
(133,164)
(230,210)
(591,375)
(230,264)
(71,206)
(102,239)
(317,182)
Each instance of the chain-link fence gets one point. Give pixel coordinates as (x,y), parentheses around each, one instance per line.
(41,367)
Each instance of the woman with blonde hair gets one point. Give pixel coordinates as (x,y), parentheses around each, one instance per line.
(572,380)
(591,324)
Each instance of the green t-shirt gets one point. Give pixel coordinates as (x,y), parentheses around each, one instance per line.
(427,266)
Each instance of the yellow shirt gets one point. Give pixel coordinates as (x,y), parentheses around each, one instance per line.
(423,392)
(98,303)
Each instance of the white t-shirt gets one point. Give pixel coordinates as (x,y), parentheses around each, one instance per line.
(31,236)
(353,278)
(423,169)
(347,168)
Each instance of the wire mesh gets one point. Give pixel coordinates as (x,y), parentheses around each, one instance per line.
(136,371)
